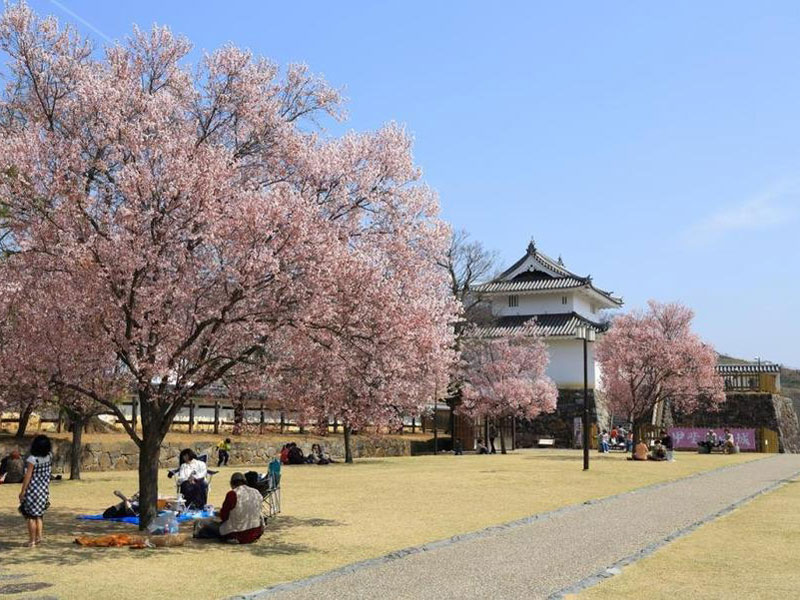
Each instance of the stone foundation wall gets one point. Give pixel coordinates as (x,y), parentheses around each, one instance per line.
(120,456)
(559,424)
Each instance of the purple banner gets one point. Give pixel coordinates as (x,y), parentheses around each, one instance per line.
(687,437)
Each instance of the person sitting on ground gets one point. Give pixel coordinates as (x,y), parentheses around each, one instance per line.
(659,453)
(317,456)
(711,441)
(729,446)
(12,468)
(458,449)
(295,455)
(223,452)
(285,454)
(191,478)
(640,451)
(480,447)
(666,441)
(128,507)
(240,518)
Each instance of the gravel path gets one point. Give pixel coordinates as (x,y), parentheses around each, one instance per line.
(546,556)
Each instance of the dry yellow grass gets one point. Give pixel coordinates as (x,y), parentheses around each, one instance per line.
(331,516)
(751,553)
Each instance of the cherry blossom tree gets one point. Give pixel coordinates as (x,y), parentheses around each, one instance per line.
(178,218)
(37,376)
(382,350)
(505,377)
(653,357)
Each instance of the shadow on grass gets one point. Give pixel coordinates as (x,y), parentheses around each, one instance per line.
(558,457)
(61,528)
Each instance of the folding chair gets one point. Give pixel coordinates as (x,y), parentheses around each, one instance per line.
(271,490)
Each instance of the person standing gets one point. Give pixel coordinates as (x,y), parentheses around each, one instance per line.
(34,497)
(492,436)
(223,452)
(604,442)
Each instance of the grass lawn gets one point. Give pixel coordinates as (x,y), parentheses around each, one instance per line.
(332,516)
(752,552)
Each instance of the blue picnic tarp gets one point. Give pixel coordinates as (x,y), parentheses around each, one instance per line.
(182,518)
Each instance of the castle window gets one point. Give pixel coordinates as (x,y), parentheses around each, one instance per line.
(563,299)
(513,301)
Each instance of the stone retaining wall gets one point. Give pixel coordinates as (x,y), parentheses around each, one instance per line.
(752,410)
(120,456)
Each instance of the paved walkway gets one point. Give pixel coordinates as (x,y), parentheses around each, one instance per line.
(553,554)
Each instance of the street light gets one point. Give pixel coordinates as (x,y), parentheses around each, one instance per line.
(587,334)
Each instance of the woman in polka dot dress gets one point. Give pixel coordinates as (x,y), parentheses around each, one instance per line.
(34,498)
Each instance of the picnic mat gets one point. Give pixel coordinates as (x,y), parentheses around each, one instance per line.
(189,515)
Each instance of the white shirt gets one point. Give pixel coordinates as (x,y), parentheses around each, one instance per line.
(194,468)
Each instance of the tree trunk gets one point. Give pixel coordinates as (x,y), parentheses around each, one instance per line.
(149,452)
(77,449)
(348,450)
(635,424)
(238,417)
(24,417)
(502,437)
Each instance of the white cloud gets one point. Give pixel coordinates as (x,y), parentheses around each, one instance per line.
(774,208)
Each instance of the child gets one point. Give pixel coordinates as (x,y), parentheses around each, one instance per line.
(223,452)
(34,497)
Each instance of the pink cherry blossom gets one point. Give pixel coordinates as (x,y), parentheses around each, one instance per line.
(184,224)
(652,357)
(506,377)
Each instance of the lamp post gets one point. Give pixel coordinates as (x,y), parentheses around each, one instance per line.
(587,334)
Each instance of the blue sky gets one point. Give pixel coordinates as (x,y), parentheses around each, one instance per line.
(656,146)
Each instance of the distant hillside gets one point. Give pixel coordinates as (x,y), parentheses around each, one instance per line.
(724,359)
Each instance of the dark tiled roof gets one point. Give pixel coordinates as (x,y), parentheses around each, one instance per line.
(531,285)
(554,325)
(537,280)
(748,369)
(551,264)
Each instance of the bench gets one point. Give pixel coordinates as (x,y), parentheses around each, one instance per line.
(546,442)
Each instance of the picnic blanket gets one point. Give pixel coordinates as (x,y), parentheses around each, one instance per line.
(189,515)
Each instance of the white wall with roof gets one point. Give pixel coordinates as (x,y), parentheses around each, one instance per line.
(566,363)
(533,304)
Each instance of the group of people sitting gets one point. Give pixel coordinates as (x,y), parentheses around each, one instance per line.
(661,451)
(727,443)
(618,439)
(292,454)
(238,521)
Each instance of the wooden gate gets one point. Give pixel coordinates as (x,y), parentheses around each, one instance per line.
(766,440)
